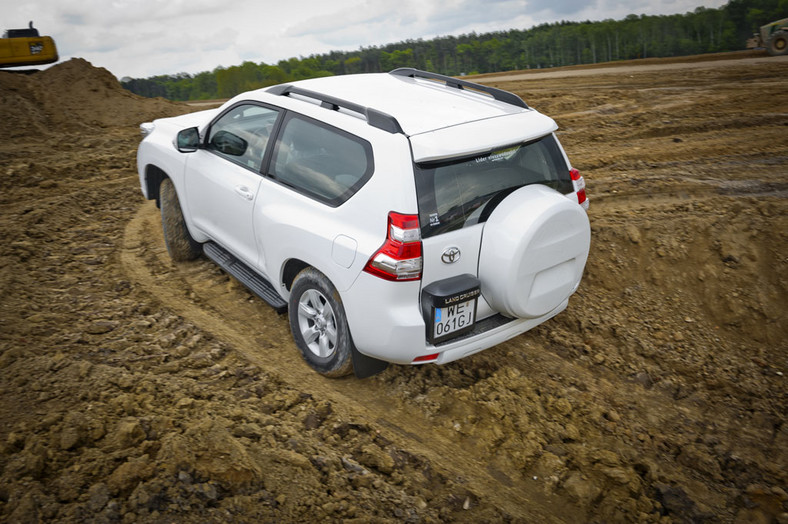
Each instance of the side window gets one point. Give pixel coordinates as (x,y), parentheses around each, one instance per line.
(241,135)
(321,161)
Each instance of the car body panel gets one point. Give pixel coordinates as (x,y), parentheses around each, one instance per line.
(220,201)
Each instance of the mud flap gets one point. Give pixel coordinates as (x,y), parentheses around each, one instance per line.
(364,366)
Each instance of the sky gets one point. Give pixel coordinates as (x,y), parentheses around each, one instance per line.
(144,38)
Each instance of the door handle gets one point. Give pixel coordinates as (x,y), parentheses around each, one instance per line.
(244,192)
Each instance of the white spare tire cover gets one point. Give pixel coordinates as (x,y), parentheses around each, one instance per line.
(534,248)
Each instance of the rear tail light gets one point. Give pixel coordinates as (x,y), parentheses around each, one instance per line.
(580,187)
(399,258)
(425,358)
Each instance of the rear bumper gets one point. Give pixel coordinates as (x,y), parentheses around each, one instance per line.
(451,351)
(384,318)
(393,329)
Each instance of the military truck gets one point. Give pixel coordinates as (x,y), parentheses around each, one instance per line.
(773,36)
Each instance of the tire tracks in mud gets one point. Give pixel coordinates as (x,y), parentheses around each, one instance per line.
(253,329)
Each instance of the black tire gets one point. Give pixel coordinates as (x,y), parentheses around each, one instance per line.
(319,324)
(778,44)
(180,244)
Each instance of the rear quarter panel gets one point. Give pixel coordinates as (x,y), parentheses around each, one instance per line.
(289,225)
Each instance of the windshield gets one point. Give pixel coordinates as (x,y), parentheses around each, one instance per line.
(462,192)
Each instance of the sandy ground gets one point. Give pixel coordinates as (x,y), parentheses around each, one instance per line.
(135,389)
(651,65)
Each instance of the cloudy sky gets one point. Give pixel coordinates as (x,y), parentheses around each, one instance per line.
(141,38)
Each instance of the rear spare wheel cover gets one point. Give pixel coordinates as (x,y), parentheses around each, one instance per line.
(534,248)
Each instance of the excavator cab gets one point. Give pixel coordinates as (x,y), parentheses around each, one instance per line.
(23,47)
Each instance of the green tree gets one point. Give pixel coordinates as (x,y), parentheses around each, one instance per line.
(546,45)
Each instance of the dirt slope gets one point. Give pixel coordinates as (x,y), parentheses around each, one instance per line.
(136,389)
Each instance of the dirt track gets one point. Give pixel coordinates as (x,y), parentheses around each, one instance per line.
(652,65)
(137,389)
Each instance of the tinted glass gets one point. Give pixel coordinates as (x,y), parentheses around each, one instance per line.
(241,135)
(321,161)
(463,192)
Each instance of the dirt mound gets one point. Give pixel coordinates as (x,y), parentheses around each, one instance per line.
(72,96)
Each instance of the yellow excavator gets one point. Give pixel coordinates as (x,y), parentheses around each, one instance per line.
(23,47)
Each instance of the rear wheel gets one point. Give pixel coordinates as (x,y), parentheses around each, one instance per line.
(180,244)
(778,43)
(319,324)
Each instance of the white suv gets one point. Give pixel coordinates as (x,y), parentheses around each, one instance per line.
(402,217)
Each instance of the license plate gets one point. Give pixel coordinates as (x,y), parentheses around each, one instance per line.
(453,318)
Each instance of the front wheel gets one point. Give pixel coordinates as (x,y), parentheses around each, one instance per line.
(180,244)
(319,324)
(778,43)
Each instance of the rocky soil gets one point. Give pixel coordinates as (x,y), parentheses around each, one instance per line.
(136,389)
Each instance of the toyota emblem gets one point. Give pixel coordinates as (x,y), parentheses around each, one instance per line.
(450,255)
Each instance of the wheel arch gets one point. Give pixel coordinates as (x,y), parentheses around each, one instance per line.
(295,264)
(153,178)
(292,268)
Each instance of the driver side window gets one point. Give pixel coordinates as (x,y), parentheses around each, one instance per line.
(241,135)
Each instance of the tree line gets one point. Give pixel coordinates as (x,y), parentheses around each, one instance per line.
(703,30)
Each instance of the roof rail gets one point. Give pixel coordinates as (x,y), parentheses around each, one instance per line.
(374,117)
(497,94)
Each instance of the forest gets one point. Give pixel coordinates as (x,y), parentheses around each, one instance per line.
(704,30)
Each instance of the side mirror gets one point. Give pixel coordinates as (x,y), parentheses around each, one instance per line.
(188,140)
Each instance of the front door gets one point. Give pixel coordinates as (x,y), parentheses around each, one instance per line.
(223,179)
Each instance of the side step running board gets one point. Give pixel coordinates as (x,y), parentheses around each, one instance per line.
(244,274)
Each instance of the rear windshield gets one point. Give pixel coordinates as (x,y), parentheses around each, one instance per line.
(461,192)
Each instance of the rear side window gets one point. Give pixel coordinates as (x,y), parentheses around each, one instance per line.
(463,192)
(321,161)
